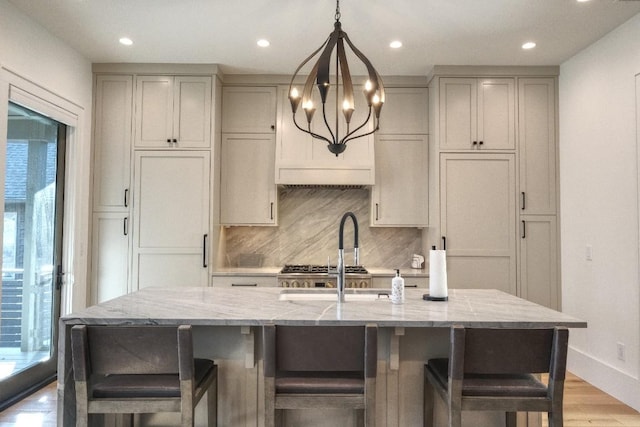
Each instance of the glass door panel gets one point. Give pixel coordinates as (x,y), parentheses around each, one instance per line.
(31,242)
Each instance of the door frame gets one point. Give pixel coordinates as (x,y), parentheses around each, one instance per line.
(24,92)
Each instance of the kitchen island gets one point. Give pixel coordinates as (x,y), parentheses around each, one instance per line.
(227,327)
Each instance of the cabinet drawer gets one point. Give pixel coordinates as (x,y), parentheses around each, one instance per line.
(243,281)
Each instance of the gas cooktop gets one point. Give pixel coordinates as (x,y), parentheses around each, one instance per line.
(320,269)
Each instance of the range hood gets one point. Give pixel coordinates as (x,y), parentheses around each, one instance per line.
(302,160)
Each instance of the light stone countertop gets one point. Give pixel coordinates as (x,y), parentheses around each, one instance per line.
(261,305)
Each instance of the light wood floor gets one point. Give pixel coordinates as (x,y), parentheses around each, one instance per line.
(584,406)
(587,406)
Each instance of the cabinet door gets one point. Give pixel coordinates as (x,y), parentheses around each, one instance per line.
(248,191)
(401,194)
(458,113)
(539,260)
(537,143)
(192,112)
(293,147)
(477,202)
(112,142)
(154,111)
(405,111)
(249,109)
(496,114)
(109,256)
(171,209)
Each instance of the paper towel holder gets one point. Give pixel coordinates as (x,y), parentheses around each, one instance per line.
(428,297)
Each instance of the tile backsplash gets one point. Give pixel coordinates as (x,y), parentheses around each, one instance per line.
(309,219)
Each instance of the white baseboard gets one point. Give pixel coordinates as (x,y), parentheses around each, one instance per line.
(612,381)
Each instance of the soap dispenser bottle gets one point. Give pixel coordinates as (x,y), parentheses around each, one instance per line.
(397,289)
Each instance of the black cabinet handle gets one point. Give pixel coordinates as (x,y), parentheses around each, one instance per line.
(444,243)
(524,229)
(524,198)
(475,143)
(204,251)
(244,284)
(377,211)
(175,141)
(168,140)
(273,127)
(125,226)
(480,142)
(126,197)
(271,210)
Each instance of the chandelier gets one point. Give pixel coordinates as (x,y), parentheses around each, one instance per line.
(373,92)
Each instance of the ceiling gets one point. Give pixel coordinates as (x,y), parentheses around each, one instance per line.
(225,32)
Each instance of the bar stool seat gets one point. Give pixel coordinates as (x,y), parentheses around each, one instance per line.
(320,382)
(155,385)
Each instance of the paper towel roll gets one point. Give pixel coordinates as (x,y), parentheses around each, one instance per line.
(438,274)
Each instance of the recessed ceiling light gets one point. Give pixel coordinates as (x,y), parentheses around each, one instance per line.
(582,1)
(263,43)
(396,44)
(528,45)
(126,41)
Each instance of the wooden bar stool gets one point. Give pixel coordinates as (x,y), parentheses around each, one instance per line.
(140,369)
(494,370)
(320,367)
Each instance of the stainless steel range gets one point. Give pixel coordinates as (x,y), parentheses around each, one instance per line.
(322,276)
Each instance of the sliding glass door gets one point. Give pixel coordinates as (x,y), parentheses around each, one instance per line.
(31,251)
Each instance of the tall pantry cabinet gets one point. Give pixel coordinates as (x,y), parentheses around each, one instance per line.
(111,237)
(151,181)
(496,152)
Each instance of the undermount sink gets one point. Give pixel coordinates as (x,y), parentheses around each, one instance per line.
(332,295)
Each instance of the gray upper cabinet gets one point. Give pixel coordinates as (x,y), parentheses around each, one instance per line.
(173,112)
(537,145)
(477,114)
(249,109)
(405,111)
(248,194)
(112,142)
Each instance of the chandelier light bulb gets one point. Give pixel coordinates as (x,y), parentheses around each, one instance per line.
(368,86)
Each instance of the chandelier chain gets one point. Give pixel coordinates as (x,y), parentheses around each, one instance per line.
(337,10)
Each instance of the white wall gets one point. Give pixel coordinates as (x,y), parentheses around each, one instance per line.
(33,59)
(599,207)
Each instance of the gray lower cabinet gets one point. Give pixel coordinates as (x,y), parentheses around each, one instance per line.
(538,260)
(238,280)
